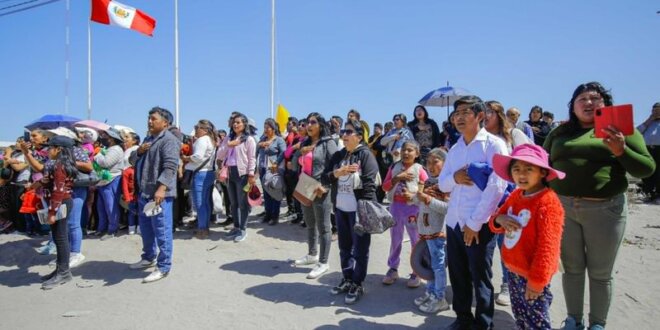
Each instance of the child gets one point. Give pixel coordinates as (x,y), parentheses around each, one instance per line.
(431,228)
(403,176)
(532,219)
(58,185)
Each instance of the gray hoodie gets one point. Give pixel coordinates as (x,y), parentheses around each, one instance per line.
(431,218)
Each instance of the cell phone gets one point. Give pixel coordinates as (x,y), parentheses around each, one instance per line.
(619,116)
(26,136)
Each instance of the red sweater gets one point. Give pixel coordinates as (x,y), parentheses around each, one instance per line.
(533,252)
(128,184)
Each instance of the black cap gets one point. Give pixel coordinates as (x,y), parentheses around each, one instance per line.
(60,141)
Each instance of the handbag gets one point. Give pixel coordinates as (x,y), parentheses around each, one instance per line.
(216,197)
(42,214)
(373,218)
(305,191)
(86,179)
(189,175)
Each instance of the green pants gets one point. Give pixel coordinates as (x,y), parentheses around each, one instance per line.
(593,231)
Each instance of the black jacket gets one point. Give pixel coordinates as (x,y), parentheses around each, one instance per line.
(368,169)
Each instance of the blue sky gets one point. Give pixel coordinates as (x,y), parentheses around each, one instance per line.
(379,57)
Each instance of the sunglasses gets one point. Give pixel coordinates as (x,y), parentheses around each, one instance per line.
(312,122)
(346,132)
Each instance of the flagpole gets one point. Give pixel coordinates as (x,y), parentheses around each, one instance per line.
(272,60)
(89,70)
(176,62)
(66,55)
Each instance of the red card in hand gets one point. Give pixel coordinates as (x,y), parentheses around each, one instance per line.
(619,116)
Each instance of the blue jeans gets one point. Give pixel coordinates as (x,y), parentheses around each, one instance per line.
(353,248)
(437,251)
(75,218)
(157,234)
(271,205)
(108,206)
(201,191)
(505,271)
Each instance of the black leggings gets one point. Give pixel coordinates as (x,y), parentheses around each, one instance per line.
(60,232)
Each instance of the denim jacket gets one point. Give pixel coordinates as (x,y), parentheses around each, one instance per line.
(274,153)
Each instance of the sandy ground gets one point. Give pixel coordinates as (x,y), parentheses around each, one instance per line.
(217,283)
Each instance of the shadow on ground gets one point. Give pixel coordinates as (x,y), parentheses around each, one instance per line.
(267,268)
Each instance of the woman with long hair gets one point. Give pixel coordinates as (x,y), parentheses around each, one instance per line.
(238,153)
(594,199)
(201,162)
(495,123)
(425,130)
(58,186)
(315,155)
(270,151)
(353,173)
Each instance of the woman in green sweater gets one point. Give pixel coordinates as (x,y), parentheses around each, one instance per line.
(594,200)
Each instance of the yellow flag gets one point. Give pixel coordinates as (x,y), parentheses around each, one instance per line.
(282,117)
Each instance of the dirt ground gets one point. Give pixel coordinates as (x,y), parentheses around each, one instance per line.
(217,283)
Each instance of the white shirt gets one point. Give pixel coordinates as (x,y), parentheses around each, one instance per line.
(127,155)
(202,150)
(346,200)
(468,205)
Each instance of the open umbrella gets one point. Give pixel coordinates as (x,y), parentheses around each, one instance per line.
(97,125)
(52,121)
(443,97)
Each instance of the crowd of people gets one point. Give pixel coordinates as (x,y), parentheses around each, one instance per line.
(542,192)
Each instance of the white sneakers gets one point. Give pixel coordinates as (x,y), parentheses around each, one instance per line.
(306,260)
(318,270)
(75,259)
(503,297)
(154,276)
(142,264)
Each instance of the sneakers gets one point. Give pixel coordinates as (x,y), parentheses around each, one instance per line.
(343,287)
(107,236)
(274,221)
(154,276)
(142,264)
(391,276)
(57,280)
(354,294)
(596,327)
(202,234)
(233,232)
(572,324)
(318,270)
(49,276)
(503,297)
(306,260)
(295,218)
(413,281)
(47,249)
(242,235)
(419,301)
(434,305)
(75,259)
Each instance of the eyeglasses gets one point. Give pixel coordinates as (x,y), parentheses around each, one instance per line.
(302,125)
(346,132)
(489,112)
(396,118)
(202,127)
(594,99)
(312,122)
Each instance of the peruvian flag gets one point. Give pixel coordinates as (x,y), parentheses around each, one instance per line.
(114,13)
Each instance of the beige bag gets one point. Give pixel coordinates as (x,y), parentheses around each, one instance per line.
(305,191)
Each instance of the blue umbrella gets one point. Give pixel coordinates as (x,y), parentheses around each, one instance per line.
(443,97)
(52,121)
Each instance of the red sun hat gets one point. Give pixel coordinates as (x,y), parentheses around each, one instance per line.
(529,153)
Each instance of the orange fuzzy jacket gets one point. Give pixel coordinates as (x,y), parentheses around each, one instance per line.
(532,253)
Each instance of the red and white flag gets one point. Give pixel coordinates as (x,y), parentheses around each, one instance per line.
(114,13)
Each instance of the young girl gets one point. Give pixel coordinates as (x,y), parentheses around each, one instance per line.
(431,226)
(532,219)
(58,185)
(403,177)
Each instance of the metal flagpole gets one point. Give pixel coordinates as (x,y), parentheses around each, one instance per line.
(67,60)
(272,61)
(176,63)
(89,70)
